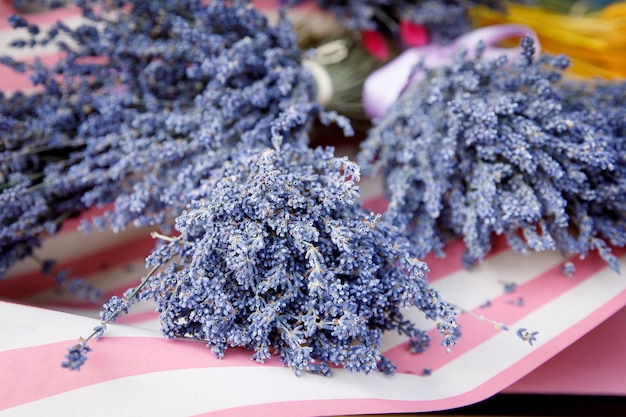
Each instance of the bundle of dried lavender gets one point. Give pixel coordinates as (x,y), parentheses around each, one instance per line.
(484,147)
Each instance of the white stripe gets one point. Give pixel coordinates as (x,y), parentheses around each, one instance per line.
(70,245)
(137,308)
(31,326)
(471,288)
(127,275)
(550,320)
(37,326)
(152,324)
(22,326)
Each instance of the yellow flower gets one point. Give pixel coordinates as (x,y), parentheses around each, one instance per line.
(595,42)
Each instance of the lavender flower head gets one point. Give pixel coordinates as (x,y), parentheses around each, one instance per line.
(279,258)
(485,147)
(148,100)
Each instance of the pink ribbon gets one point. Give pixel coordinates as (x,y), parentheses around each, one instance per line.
(383,86)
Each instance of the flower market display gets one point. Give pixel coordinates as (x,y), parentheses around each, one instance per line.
(162,178)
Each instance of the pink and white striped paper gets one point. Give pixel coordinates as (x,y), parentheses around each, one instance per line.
(134,366)
(133,371)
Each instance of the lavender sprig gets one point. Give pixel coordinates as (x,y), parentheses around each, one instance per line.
(485,147)
(77,354)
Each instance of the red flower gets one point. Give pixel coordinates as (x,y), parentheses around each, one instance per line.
(375,44)
(413,34)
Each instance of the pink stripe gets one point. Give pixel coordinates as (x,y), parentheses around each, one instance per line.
(365,406)
(481,392)
(12,81)
(128,357)
(112,358)
(536,293)
(136,318)
(442,267)
(587,367)
(307,408)
(71,225)
(51,16)
(25,285)
(376,204)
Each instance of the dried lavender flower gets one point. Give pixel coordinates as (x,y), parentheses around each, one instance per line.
(278,257)
(485,147)
(527,336)
(76,356)
(147,101)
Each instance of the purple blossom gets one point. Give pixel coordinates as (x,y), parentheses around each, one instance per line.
(76,356)
(419,343)
(279,258)
(568,268)
(485,147)
(527,336)
(112,309)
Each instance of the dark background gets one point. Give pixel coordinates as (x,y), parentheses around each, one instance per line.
(543,405)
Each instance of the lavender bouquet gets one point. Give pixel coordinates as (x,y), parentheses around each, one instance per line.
(484,147)
(277,256)
(148,99)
